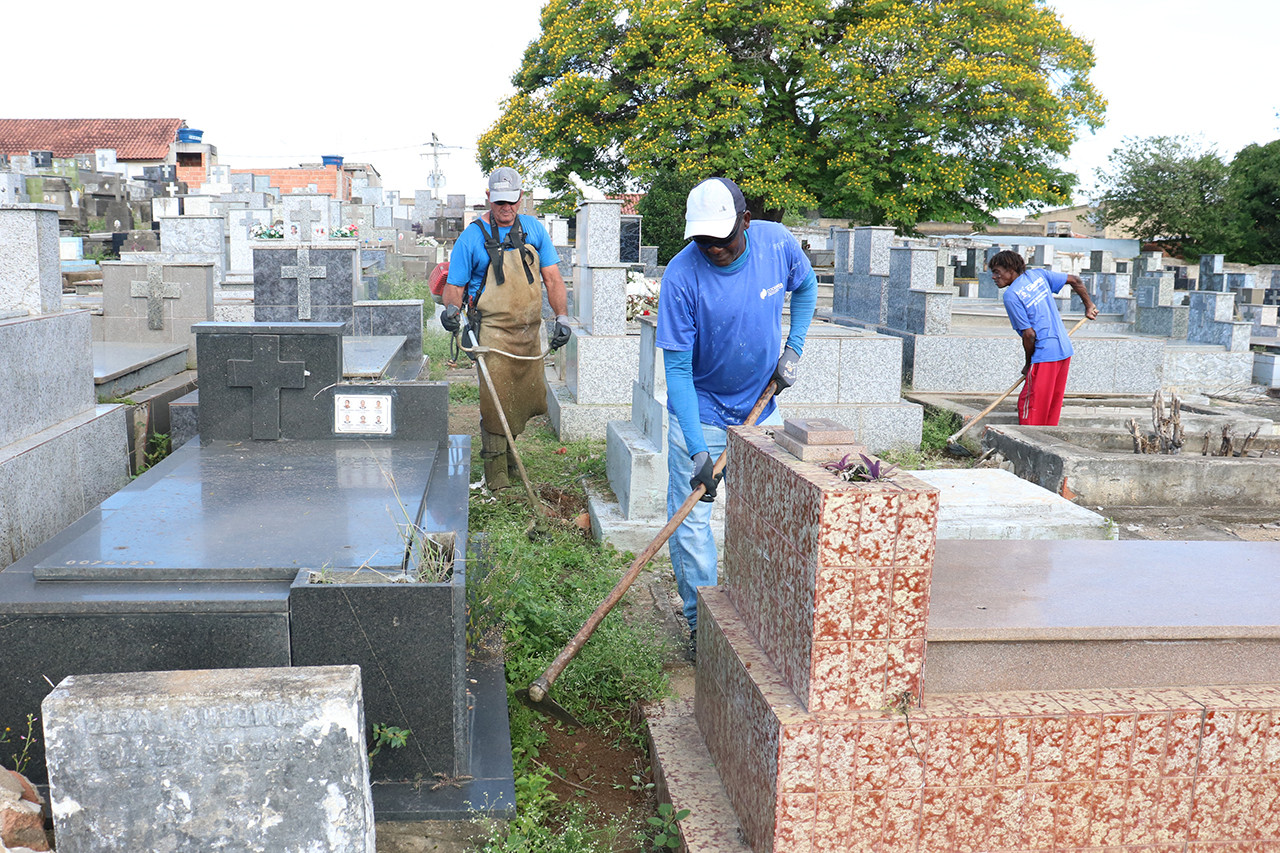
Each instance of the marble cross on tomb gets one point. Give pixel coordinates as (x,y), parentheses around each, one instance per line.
(305,217)
(155,290)
(247,221)
(265,374)
(304,272)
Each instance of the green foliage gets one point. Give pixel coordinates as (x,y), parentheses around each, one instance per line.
(22,742)
(1166,189)
(663,210)
(159,446)
(392,737)
(100,254)
(938,426)
(668,825)
(1253,200)
(887,111)
(464,393)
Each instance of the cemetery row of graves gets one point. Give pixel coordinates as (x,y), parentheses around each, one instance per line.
(293,585)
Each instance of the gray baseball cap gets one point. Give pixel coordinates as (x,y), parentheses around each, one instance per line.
(504,184)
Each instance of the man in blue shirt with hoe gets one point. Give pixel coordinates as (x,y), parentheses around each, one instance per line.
(720,330)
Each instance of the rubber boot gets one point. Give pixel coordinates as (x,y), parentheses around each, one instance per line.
(493,450)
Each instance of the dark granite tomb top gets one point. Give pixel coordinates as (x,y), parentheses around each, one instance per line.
(259,511)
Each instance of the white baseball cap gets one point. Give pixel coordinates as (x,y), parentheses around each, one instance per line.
(713,209)
(504,184)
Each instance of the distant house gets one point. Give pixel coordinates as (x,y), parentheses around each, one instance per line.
(137,142)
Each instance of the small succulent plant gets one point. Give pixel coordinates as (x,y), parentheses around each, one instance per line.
(861,470)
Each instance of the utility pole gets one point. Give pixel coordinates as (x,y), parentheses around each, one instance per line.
(435,180)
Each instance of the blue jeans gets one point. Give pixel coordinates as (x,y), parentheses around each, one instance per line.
(693,545)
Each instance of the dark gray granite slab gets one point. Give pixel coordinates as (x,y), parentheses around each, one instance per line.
(267,381)
(369,357)
(258,511)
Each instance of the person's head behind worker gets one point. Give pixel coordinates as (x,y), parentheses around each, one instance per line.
(504,195)
(716,217)
(1006,266)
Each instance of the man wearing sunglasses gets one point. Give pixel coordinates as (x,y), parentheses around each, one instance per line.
(498,268)
(720,330)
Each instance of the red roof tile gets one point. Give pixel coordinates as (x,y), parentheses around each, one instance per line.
(629,202)
(132,138)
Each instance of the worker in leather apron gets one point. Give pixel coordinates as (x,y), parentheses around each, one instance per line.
(498,268)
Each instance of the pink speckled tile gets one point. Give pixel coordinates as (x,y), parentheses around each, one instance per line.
(1115,755)
(947,744)
(1249,752)
(1038,816)
(1007,828)
(794,829)
(1013,762)
(1241,698)
(829,683)
(1173,811)
(904,666)
(878,530)
(961,705)
(1080,752)
(1048,748)
(1073,810)
(866,826)
(798,759)
(1228,847)
(1239,813)
(918,529)
(978,762)
(873,596)
(1267,827)
(837,756)
(1208,799)
(973,809)
(1217,742)
(909,749)
(937,814)
(902,818)
(910,601)
(1140,812)
(833,821)
(867,660)
(1150,742)
(834,604)
(1182,743)
(841,517)
(874,754)
(1106,828)
(1020,703)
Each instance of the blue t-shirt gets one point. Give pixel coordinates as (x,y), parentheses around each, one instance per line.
(730,318)
(469,262)
(1029,303)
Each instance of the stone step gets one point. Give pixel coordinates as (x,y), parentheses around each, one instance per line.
(121,368)
(1062,615)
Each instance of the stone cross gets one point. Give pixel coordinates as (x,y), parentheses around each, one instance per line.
(155,291)
(171,190)
(246,222)
(305,217)
(304,272)
(266,374)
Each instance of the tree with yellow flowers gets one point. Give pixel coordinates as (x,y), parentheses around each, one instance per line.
(884,111)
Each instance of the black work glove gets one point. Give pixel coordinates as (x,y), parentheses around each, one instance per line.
(451,319)
(704,472)
(560,332)
(784,375)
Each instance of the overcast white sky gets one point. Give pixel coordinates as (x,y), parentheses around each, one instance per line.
(275,84)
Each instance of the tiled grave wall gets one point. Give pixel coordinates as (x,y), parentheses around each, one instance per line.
(831,576)
(1154,770)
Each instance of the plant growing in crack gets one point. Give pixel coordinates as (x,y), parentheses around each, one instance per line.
(392,737)
(864,469)
(900,703)
(434,558)
(667,822)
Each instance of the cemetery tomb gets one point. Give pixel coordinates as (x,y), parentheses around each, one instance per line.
(244,759)
(861,686)
(1090,456)
(316,522)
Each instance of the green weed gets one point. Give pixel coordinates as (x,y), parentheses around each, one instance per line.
(392,737)
(668,825)
(464,393)
(22,758)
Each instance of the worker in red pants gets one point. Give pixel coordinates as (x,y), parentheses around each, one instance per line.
(1028,300)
